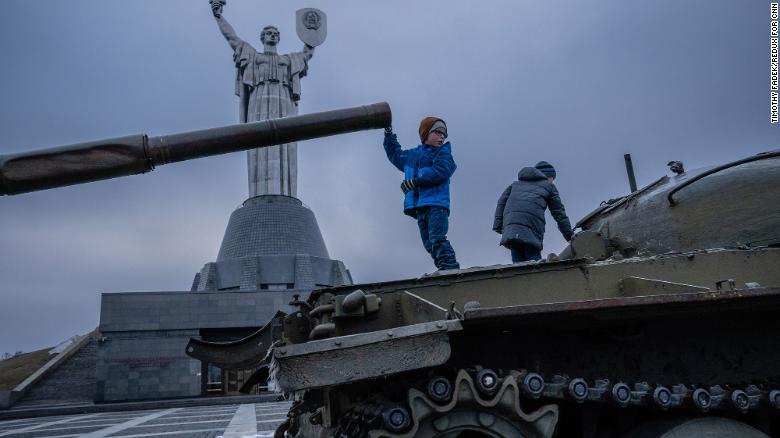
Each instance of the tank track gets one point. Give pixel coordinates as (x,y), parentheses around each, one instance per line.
(484,388)
(741,398)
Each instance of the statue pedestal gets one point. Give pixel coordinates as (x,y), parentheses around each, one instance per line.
(272,242)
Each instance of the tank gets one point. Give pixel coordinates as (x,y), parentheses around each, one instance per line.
(134,154)
(658,320)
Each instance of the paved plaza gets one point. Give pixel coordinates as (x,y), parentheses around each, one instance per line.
(234,421)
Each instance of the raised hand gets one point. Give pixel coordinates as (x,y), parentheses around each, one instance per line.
(216,7)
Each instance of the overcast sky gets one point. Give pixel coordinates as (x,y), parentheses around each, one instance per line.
(575,83)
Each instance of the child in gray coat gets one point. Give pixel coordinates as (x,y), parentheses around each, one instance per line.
(520,212)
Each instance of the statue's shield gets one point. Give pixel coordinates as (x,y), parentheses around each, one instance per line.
(311,25)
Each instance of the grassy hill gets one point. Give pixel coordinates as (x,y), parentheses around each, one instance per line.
(14,370)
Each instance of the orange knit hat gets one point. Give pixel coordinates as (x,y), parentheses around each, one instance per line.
(426,124)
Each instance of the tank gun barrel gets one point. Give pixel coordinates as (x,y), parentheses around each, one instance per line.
(86,162)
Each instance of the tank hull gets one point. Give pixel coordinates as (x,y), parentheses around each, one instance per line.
(679,322)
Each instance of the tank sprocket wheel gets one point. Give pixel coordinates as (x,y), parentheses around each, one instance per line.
(467,410)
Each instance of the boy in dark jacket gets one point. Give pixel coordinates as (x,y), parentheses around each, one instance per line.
(520,212)
(427,170)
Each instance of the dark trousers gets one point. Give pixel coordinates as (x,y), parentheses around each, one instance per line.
(433,223)
(524,253)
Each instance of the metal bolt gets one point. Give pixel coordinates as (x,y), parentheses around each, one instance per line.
(396,419)
(440,324)
(774,398)
(702,399)
(740,400)
(621,393)
(441,424)
(439,389)
(663,397)
(486,419)
(578,389)
(533,384)
(487,380)
(337,343)
(282,352)
(390,334)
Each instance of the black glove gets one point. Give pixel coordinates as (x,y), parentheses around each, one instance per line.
(407,185)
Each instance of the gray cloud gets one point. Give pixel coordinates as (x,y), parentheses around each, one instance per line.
(517,82)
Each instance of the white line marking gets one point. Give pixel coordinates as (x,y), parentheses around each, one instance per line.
(212,408)
(272,413)
(271,420)
(269,434)
(19,420)
(212,416)
(105,422)
(128,424)
(42,425)
(68,426)
(63,436)
(266,409)
(188,413)
(178,432)
(95,422)
(182,424)
(243,424)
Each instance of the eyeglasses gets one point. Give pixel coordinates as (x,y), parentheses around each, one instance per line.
(440,133)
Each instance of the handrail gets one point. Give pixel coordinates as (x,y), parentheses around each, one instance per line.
(761,156)
(617,202)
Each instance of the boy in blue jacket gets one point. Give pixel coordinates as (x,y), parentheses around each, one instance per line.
(427,170)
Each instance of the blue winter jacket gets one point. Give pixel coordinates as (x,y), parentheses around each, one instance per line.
(430,168)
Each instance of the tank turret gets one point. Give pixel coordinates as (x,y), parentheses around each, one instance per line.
(122,156)
(733,205)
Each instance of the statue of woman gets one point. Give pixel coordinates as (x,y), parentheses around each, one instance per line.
(269,87)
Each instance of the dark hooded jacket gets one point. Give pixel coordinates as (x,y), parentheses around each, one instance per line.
(520,210)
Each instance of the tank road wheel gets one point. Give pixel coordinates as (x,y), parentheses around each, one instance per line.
(468,414)
(709,427)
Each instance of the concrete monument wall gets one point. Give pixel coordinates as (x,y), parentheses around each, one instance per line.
(142,354)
